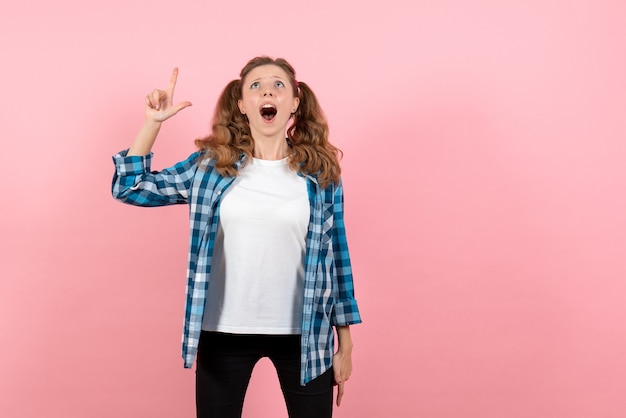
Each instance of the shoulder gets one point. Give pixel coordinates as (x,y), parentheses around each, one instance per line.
(208,176)
(205,162)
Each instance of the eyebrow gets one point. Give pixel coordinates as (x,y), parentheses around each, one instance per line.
(274,76)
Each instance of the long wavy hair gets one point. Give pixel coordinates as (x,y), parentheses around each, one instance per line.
(307,135)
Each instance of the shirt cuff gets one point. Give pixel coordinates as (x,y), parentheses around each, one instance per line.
(133,165)
(346,313)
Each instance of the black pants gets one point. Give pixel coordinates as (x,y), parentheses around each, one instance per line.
(224,367)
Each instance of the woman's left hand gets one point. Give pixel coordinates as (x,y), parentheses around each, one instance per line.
(342,367)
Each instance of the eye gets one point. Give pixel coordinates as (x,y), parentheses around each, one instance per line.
(280,84)
(255,85)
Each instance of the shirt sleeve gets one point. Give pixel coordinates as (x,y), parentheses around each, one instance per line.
(346,311)
(135,184)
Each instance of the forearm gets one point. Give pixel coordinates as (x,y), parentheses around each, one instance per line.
(344,339)
(145,138)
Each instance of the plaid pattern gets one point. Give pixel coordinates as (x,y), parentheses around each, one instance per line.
(328,287)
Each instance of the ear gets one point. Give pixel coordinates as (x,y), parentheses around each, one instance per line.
(240,105)
(296,103)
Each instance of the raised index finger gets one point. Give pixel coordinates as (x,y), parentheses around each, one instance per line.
(173,78)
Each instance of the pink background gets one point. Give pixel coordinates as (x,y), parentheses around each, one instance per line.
(485,200)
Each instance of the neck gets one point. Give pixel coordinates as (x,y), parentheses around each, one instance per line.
(271,150)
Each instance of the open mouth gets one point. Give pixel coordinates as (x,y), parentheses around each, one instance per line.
(268,111)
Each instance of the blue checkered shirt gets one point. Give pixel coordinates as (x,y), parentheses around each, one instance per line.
(328,287)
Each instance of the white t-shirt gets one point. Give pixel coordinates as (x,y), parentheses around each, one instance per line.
(257,274)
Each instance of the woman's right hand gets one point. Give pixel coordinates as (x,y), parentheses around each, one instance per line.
(159,107)
(160,103)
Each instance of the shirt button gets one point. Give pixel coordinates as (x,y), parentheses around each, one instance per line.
(219,192)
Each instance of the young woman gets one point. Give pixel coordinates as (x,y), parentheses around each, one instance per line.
(269,272)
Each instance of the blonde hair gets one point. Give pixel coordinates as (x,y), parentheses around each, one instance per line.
(312,153)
